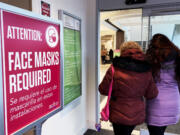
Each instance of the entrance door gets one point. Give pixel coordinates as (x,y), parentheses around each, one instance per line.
(137,25)
(167,24)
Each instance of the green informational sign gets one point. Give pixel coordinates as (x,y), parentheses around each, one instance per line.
(72,64)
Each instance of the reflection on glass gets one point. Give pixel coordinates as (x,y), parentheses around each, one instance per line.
(144,33)
(168,25)
(176,35)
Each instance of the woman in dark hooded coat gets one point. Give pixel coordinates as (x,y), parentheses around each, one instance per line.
(132,81)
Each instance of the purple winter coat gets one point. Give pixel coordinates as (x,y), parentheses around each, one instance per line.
(165,108)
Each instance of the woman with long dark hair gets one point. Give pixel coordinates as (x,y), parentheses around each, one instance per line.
(164,110)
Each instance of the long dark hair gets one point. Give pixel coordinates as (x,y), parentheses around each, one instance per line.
(160,50)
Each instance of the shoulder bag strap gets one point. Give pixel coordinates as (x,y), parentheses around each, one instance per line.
(110,87)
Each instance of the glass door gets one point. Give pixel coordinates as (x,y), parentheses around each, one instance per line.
(145,30)
(168,25)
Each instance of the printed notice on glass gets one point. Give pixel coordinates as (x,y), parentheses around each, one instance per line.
(72,59)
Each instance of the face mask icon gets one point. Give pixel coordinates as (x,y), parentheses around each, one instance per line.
(52,35)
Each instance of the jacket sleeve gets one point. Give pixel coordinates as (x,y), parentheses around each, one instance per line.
(151,91)
(104,85)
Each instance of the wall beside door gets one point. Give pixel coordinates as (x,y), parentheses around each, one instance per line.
(120,4)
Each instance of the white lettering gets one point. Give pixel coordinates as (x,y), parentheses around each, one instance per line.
(26,80)
(12,83)
(21,33)
(17,61)
(9,33)
(46,58)
(38,60)
(10,60)
(19,82)
(24,63)
(29,60)
(48,75)
(17,32)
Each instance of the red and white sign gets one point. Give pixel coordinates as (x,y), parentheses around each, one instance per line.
(45,8)
(31,69)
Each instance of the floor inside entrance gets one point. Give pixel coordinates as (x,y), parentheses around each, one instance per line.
(139,130)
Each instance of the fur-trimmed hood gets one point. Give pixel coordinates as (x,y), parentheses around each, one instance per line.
(132,60)
(128,63)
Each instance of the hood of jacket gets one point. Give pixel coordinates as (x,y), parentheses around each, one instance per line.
(132,60)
